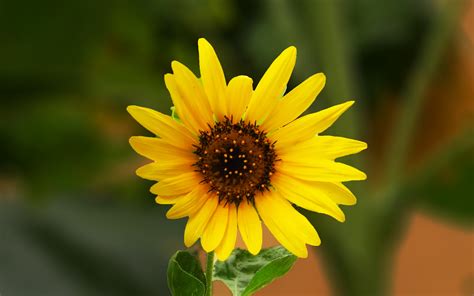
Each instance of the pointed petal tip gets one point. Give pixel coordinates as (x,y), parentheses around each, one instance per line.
(289,53)
(203,42)
(302,254)
(189,238)
(364,145)
(242,77)
(344,106)
(318,243)
(337,214)
(254,251)
(169,214)
(341,218)
(187,243)
(291,50)
(321,77)
(139,171)
(153,188)
(206,247)
(349,103)
(176,66)
(131,109)
(222,258)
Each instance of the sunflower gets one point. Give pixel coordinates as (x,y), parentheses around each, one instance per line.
(233,156)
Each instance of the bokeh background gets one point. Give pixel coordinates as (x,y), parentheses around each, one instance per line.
(74,218)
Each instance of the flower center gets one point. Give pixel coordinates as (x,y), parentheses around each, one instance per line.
(236,160)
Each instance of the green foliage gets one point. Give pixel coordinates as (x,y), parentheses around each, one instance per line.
(83,246)
(446,188)
(244,273)
(185,276)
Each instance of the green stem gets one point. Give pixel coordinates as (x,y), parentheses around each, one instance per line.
(325,24)
(422,75)
(209,270)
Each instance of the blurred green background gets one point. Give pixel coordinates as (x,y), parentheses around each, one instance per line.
(75,220)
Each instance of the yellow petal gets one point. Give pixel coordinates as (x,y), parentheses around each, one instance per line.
(197,222)
(159,149)
(306,127)
(295,102)
(168,200)
(288,226)
(228,242)
(321,170)
(250,227)
(163,126)
(272,85)
(306,196)
(177,185)
(215,229)
(328,147)
(188,205)
(164,169)
(238,95)
(213,78)
(189,99)
(339,193)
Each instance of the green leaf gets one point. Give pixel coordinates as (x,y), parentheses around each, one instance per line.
(185,276)
(446,186)
(244,273)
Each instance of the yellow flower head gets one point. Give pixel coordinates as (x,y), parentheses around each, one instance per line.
(237,156)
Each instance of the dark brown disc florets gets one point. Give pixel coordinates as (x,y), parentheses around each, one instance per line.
(236,160)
